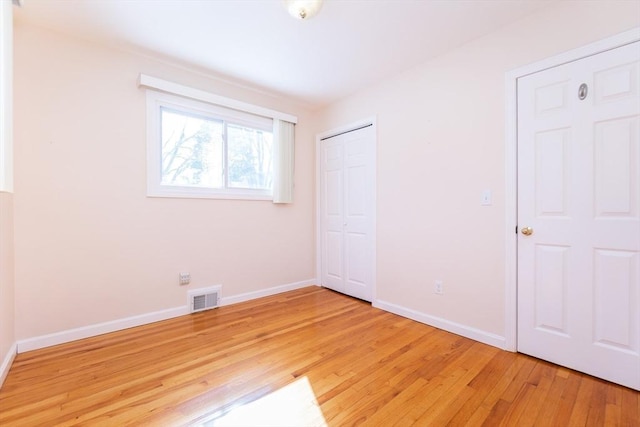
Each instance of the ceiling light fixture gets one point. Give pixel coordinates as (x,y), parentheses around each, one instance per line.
(302,9)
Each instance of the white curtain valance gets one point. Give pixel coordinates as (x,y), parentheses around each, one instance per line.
(284,161)
(201,95)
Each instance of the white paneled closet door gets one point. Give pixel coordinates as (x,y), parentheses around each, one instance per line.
(579,215)
(347,198)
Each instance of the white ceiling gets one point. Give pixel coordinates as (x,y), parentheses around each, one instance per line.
(349,45)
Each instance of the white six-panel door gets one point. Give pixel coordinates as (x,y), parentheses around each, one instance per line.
(578,192)
(346,212)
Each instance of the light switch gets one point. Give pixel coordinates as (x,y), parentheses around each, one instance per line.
(486,198)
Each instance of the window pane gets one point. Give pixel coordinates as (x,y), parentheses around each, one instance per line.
(250,157)
(191,150)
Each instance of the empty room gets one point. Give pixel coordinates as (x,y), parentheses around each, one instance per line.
(320,212)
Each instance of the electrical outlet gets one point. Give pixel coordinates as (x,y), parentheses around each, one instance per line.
(438,288)
(185,278)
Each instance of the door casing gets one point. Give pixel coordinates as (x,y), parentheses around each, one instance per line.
(511,170)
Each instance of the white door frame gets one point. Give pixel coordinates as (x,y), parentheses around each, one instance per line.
(511,170)
(334,132)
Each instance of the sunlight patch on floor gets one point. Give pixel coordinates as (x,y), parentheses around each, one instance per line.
(294,405)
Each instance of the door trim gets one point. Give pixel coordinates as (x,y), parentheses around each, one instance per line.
(511,170)
(335,132)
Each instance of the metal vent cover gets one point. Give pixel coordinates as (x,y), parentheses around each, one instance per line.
(204,299)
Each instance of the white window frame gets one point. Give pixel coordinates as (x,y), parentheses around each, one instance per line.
(155,102)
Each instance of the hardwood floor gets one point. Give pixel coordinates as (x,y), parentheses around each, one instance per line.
(306,357)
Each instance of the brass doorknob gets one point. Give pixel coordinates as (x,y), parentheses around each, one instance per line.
(527,231)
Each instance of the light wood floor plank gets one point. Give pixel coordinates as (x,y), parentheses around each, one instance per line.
(311,353)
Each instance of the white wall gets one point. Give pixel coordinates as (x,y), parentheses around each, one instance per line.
(89,246)
(7,320)
(441,131)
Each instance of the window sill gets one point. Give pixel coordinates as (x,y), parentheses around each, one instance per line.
(190,193)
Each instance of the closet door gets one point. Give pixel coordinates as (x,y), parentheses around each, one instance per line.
(347,190)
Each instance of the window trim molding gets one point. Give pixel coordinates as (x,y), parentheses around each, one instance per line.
(210,98)
(154,102)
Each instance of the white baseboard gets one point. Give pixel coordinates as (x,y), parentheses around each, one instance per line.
(444,324)
(142,319)
(6,363)
(266,292)
(98,329)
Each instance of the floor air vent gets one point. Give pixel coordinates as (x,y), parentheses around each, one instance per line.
(204,299)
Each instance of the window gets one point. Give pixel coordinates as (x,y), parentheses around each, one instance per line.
(196,149)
